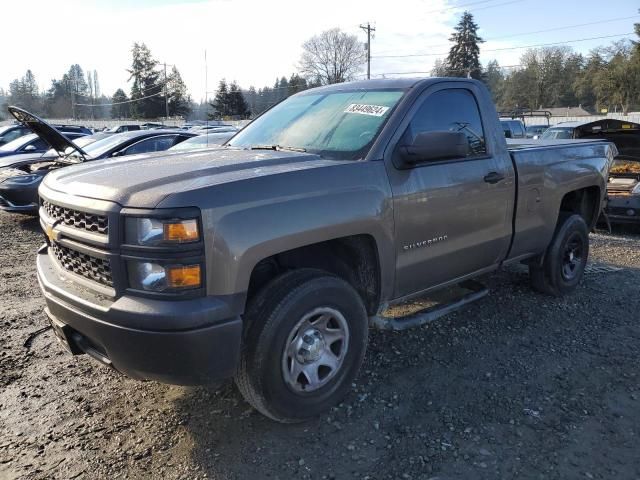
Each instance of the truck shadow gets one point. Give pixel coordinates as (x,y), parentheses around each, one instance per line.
(506,375)
(29,223)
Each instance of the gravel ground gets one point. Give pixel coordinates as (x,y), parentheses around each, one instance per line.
(516,385)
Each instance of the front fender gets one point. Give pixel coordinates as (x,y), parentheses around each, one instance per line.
(253,219)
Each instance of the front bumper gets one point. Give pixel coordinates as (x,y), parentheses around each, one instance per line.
(181,342)
(19,199)
(623,208)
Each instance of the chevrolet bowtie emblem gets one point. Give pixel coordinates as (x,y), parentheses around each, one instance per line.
(51,233)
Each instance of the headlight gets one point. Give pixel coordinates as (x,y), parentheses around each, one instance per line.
(22,180)
(636,189)
(154,277)
(155,231)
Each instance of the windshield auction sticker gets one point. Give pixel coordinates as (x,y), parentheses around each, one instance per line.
(362,109)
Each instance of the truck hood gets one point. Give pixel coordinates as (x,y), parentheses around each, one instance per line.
(145,180)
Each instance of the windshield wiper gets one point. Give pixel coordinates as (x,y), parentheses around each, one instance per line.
(278,148)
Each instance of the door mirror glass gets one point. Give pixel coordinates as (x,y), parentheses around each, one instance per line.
(437,145)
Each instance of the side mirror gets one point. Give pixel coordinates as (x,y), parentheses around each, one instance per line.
(439,145)
(29,148)
(119,153)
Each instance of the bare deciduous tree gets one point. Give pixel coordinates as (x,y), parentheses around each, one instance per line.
(332,57)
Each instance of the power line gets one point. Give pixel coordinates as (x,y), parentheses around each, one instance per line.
(496,5)
(523,34)
(455,7)
(430,71)
(509,48)
(118,103)
(562,28)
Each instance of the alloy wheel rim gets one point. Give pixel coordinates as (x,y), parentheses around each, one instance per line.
(315,349)
(572,258)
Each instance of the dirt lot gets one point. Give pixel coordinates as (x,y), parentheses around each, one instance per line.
(517,385)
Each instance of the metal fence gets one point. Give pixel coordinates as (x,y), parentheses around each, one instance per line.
(632,117)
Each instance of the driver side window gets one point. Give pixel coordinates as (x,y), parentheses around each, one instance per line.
(453,110)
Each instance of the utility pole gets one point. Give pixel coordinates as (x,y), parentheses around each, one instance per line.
(368,28)
(166,97)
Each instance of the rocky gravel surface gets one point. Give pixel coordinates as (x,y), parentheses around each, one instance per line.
(518,385)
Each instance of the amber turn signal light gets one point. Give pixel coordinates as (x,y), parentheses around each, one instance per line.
(183,276)
(181,232)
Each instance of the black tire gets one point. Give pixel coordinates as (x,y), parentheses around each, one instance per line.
(270,322)
(565,258)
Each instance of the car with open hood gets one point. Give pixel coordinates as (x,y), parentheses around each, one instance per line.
(31,144)
(20,177)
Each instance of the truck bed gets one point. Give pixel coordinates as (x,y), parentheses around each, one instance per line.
(541,166)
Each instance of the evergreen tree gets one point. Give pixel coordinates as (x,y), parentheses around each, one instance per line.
(24,92)
(251,97)
(296,84)
(147,88)
(120,110)
(220,104)
(463,59)
(237,105)
(439,69)
(179,100)
(494,79)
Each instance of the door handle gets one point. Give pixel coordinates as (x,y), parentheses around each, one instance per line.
(493,177)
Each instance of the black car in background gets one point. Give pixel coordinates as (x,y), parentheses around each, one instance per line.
(19,181)
(31,143)
(8,133)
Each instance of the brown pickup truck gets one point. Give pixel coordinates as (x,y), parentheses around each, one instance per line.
(268,259)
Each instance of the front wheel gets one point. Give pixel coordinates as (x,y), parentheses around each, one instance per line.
(565,259)
(305,339)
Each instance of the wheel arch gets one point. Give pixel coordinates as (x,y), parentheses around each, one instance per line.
(354,258)
(586,202)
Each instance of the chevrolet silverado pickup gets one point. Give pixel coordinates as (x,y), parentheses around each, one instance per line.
(266,260)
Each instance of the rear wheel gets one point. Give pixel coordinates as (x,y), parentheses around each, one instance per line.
(565,259)
(305,339)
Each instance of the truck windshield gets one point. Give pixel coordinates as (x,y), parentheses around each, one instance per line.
(338,125)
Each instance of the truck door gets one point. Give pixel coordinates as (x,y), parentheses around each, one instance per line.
(453,217)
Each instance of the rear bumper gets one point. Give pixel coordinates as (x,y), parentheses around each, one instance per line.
(188,342)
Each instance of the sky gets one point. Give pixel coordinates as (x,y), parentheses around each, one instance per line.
(256,41)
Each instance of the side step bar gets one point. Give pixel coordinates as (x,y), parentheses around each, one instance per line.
(477,291)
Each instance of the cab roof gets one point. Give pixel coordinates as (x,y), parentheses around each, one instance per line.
(381,83)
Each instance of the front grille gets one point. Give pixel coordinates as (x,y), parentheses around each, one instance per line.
(93,268)
(74,218)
